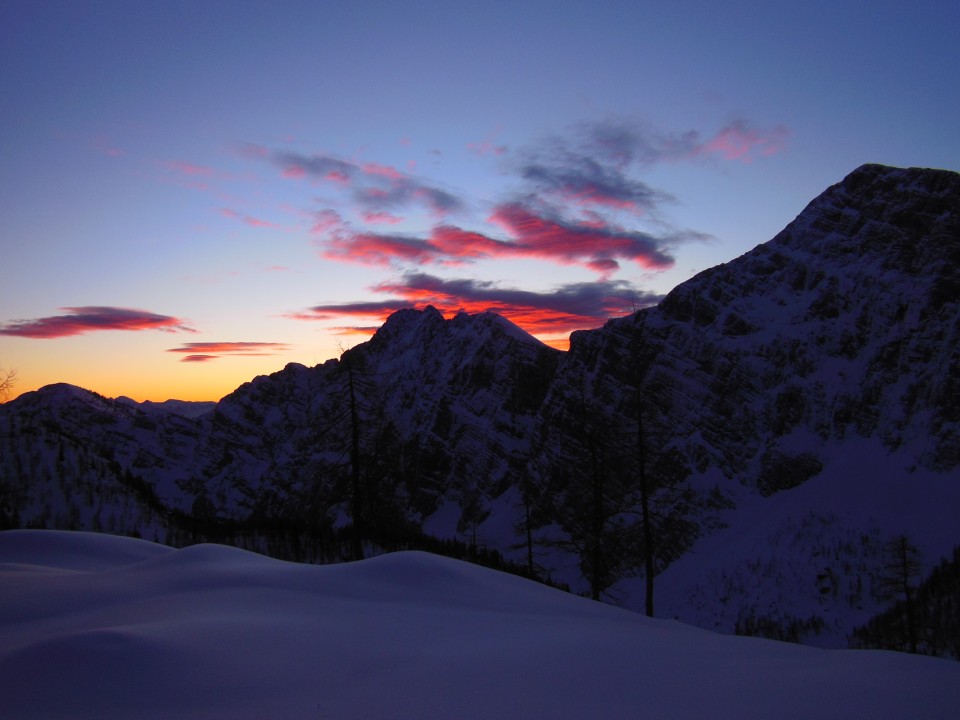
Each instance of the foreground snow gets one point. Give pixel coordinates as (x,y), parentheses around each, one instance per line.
(96,626)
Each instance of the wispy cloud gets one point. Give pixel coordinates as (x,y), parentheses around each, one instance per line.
(739,141)
(102,145)
(628,143)
(247,219)
(80,320)
(586,181)
(487,146)
(381,218)
(189,169)
(375,188)
(206,351)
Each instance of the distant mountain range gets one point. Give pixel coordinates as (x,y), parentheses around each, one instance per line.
(794,411)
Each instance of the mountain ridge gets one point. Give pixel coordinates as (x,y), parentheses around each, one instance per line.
(753,381)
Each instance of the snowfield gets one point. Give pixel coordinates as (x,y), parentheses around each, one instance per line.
(98,626)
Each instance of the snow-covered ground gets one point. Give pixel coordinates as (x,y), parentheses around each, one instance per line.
(97,626)
(813,551)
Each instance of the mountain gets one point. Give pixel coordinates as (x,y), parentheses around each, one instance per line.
(110,627)
(187,408)
(794,409)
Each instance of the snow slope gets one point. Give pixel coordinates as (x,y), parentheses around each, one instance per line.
(95,626)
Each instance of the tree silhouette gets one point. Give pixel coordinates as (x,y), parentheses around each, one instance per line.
(7,381)
(900,574)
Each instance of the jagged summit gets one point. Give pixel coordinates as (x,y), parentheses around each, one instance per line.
(907,218)
(412,326)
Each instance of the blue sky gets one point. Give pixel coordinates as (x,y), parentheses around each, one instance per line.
(195,193)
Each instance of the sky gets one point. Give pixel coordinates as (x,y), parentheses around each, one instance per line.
(196,193)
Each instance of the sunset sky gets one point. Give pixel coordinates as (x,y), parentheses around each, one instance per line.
(195,193)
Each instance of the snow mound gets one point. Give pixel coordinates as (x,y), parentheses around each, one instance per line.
(108,627)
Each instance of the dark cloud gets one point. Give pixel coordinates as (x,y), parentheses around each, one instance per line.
(374,308)
(80,320)
(567,308)
(585,181)
(375,188)
(633,143)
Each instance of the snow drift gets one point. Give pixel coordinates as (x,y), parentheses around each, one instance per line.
(97,626)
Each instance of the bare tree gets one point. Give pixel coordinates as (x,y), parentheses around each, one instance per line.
(7,380)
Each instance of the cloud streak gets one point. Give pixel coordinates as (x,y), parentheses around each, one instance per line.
(624,143)
(206,351)
(81,320)
(247,219)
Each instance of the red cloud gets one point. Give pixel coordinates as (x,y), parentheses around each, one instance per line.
(550,315)
(374,249)
(80,320)
(577,244)
(594,245)
(204,351)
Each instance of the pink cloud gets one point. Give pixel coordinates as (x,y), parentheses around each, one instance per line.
(80,320)
(293,171)
(486,147)
(205,351)
(185,168)
(107,148)
(327,221)
(560,241)
(382,171)
(250,150)
(247,219)
(593,245)
(381,218)
(375,249)
(739,141)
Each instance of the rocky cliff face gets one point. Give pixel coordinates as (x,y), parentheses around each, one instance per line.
(752,382)
(845,324)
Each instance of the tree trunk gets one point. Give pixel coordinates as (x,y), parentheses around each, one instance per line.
(356,485)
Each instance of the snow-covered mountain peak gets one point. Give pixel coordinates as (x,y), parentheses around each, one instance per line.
(760,384)
(410,327)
